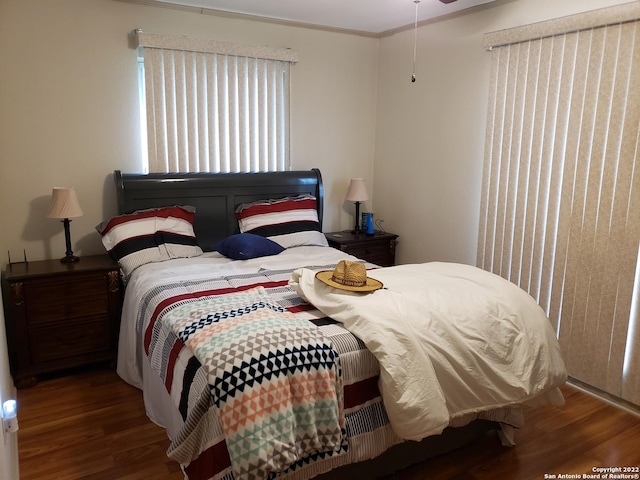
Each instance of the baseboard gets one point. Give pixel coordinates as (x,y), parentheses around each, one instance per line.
(605,397)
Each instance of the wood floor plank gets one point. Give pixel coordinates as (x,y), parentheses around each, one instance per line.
(623,449)
(92,426)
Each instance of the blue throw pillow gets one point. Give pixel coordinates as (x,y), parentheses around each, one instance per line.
(243,246)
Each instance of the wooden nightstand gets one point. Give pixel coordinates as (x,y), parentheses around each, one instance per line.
(379,248)
(61,315)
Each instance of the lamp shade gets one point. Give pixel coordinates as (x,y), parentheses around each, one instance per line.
(64,203)
(357,191)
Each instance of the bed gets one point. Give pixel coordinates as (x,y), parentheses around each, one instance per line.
(174,296)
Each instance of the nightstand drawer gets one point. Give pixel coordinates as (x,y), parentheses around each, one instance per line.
(55,343)
(67,308)
(370,252)
(381,261)
(54,292)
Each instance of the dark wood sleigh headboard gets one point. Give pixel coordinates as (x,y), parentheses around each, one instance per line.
(215,195)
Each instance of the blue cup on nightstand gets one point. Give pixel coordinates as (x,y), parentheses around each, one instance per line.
(367,223)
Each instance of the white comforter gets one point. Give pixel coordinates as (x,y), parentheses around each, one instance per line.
(450,339)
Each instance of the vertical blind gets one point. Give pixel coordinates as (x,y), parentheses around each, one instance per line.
(560,213)
(214,106)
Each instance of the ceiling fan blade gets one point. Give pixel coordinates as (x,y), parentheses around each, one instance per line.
(448,1)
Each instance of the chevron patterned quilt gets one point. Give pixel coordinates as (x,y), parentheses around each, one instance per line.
(275,379)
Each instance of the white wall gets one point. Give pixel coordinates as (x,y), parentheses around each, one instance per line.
(69,112)
(430,134)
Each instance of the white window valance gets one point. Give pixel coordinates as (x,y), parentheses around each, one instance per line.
(627,12)
(188,44)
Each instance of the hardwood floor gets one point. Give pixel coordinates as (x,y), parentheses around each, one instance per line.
(92,425)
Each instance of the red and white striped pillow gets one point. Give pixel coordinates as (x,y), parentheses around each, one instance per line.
(152,235)
(288,221)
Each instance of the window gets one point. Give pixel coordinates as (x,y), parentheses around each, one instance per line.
(561,187)
(213,106)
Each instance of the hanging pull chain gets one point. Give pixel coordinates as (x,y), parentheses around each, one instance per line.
(415,41)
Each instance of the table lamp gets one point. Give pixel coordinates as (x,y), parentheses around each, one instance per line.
(64,205)
(357,193)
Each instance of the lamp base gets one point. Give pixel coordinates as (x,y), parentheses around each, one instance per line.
(70,259)
(356,228)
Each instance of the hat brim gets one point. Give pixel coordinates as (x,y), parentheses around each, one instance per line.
(326,276)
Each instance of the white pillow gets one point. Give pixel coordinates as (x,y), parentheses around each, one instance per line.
(288,221)
(152,235)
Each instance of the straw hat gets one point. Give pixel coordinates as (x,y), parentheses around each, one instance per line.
(350,276)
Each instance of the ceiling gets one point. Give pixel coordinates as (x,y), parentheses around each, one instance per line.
(367,16)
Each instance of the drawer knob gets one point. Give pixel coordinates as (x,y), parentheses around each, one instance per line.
(17,293)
